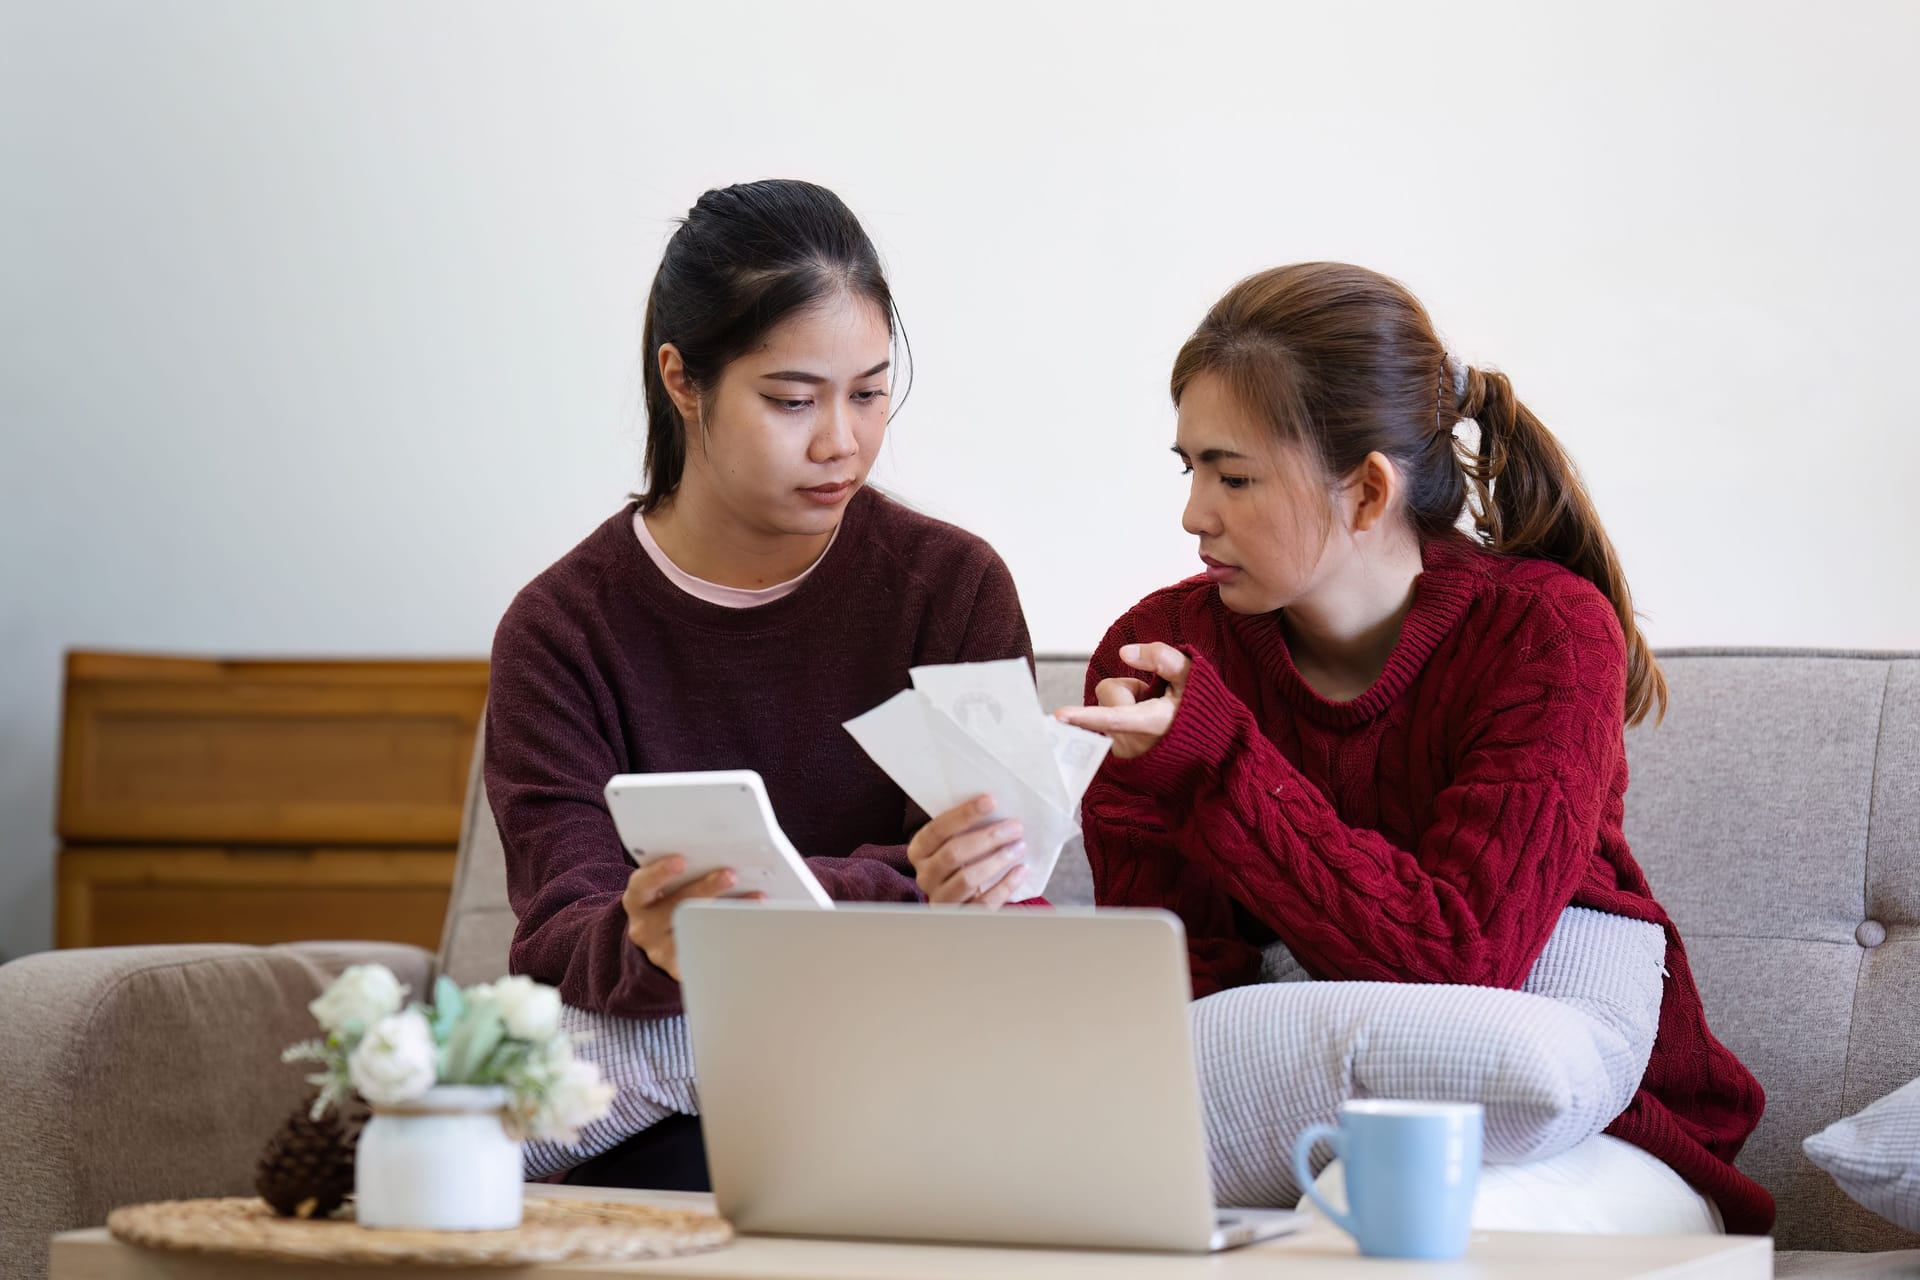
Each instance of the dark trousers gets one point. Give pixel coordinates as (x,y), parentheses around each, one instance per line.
(668,1156)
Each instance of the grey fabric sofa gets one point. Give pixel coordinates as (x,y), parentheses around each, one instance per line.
(1777,812)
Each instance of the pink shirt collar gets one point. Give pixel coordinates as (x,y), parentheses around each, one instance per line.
(713,592)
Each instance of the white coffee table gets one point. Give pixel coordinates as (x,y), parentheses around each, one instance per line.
(1320,1253)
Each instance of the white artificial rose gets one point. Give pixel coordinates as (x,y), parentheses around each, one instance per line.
(575,1099)
(530,1010)
(364,994)
(394,1062)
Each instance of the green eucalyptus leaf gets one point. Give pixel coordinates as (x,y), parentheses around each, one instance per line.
(506,1060)
(471,1043)
(448,1007)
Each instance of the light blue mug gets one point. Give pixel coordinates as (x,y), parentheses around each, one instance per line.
(1411,1171)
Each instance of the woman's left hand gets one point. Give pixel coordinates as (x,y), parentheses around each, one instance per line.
(1134,721)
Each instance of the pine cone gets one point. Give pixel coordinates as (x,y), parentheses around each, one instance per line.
(307,1169)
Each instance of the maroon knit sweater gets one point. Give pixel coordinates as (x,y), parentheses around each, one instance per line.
(1431,830)
(603,666)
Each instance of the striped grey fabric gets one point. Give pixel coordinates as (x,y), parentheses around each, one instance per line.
(651,1063)
(1875,1155)
(1553,1063)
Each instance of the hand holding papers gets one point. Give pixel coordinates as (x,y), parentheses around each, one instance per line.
(977,727)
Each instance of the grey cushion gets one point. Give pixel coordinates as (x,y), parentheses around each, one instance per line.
(1775,812)
(1875,1155)
(1552,1063)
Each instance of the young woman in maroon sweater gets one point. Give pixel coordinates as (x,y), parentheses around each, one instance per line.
(755,597)
(1393,747)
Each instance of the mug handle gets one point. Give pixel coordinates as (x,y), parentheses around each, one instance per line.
(1302,1151)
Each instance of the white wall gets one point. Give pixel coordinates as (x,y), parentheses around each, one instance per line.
(318,322)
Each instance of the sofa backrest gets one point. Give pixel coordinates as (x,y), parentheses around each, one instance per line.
(479,928)
(1776,811)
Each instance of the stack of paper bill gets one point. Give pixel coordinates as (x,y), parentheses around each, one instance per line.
(976,728)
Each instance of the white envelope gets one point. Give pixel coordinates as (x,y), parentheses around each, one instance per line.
(977,727)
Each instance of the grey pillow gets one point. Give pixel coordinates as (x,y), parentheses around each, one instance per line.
(1875,1155)
(1552,1063)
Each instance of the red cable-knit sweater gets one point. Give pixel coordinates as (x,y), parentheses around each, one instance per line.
(1431,830)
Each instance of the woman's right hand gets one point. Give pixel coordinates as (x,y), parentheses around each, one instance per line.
(650,908)
(1124,712)
(956,860)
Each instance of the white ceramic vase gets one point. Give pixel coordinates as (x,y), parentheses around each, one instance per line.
(442,1162)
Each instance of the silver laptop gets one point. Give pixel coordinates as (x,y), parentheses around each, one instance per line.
(1016,1077)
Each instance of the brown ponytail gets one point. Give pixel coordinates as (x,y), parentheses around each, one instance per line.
(1345,362)
(1529,501)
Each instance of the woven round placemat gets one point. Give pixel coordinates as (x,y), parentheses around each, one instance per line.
(550,1231)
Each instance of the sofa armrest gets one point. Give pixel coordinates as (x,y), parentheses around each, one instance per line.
(152,1073)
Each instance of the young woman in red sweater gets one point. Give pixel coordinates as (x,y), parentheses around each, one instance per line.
(754,598)
(1367,741)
